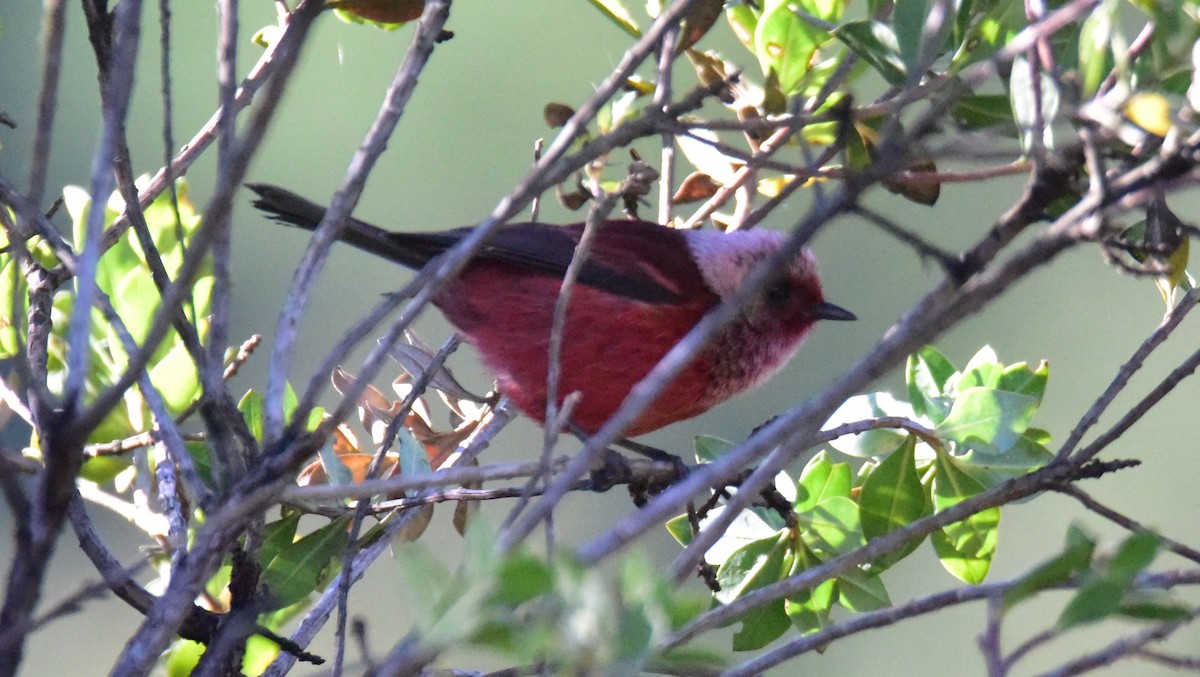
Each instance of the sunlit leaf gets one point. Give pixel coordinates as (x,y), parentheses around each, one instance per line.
(987,420)
(820,480)
(874,442)
(893,496)
(965,548)
(785,43)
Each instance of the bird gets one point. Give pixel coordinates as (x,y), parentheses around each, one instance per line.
(642,287)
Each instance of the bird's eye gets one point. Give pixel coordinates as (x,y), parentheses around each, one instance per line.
(778,293)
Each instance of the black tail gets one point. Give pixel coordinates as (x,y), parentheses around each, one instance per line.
(413,250)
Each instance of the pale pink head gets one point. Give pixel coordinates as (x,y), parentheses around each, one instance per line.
(773,324)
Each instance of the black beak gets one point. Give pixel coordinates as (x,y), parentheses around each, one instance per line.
(828,311)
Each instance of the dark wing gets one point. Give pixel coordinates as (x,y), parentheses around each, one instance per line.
(537,247)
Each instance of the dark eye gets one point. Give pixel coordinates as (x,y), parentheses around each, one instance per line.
(778,293)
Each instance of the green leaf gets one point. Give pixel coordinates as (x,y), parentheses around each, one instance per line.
(743,20)
(1134,554)
(861,591)
(1028,454)
(251,409)
(709,448)
(1096,600)
(876,44)
(176,378)
(754,565)
(278,535)
(299,567)
(987,420)
(1075,557)
(982,111)
(982,370)
(522,578)
(825,10)
(785,43)
(413,457)
(892,496)
(926,376)
(809,609)
(260,653)
(1019,378)
(680,529)
(832,526)
(820,480)
(181,659)
(1153,606)
(1095,47)
(101,469)
(875,442)
(749,526)
(965,548)
(908,18)
(616,13)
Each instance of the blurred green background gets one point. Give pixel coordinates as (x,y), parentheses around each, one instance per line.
(466,139)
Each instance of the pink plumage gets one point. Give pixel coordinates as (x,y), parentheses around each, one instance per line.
(642,289)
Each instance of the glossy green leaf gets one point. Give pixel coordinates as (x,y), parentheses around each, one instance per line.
(809,609)
(982,370)
(892,495)
(1019,378)
(752,566)
(757,564)
(926,375)
(748,527)
(875,43)
(299,567)
(987,420)
(965,548)
(1026,455)
(874,442)
(820,480)
(785,43)
(832,526)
